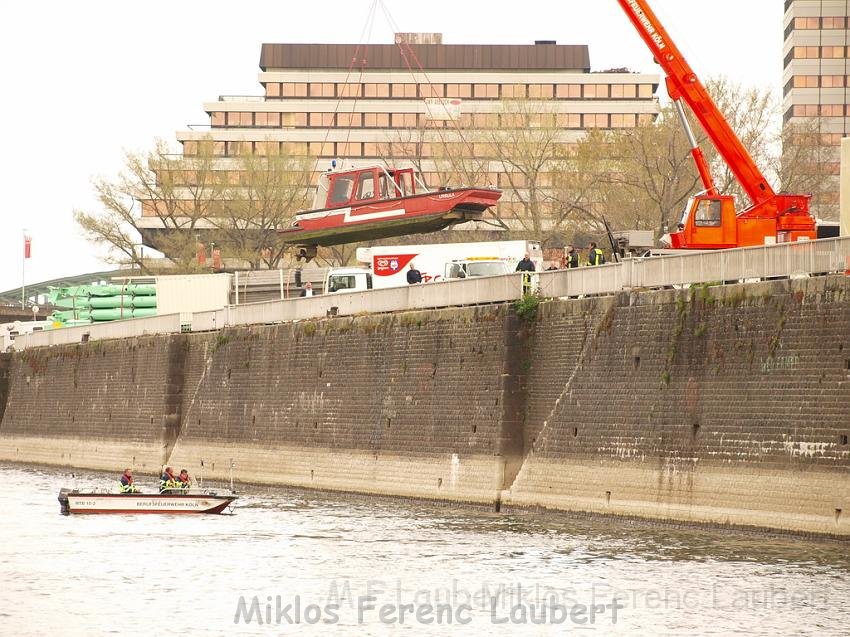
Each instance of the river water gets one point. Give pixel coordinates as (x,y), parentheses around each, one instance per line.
(296,562)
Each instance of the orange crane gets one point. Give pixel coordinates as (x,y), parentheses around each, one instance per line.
(710,220)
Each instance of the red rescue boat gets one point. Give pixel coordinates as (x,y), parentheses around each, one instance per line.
(373,202)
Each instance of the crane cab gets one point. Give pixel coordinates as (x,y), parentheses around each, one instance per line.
(709,222)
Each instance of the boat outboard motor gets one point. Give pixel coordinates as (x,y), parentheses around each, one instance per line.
(64,507)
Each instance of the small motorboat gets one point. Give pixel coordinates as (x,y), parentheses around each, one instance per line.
(373,202)
(171,501)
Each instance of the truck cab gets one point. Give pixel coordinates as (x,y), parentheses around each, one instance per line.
(348,280)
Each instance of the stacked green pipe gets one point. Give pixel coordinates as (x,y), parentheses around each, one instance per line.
(83,304)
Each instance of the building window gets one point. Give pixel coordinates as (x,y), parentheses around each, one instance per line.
(485,120)
(513,91)
(321,89)
(805,110)
(458,90)
(240,119)
(349,90)
(217,119)
(623,91)
(294,148)
(321,120)
(806,52)
(273,89)
(349,120)
(350,149)
(293,89)
(832,110)
(805,81)
(833,22)
(568,120)
(806,23)
(403,90)
(267,148)
(486,91)
(596,91)
(376,120)
(645,91)
(267,119)
(432,90)
(623,120)
(568,91)
(298,120)
(596,120)
(832,81)
(321,149)
(190,148)
(376,90)
(832,52)
(541,91)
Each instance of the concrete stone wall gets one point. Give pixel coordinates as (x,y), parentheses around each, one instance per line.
(722,405)
(728,405)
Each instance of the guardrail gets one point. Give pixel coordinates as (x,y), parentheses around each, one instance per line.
(168,323)
(786,260)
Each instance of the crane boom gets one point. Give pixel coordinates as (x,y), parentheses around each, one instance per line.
(683,83)
(711,220)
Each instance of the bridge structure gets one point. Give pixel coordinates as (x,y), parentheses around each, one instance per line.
(790,260)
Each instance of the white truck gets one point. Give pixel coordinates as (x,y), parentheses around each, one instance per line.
(387,266)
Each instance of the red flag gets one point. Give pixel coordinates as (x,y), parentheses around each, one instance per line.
(27,246)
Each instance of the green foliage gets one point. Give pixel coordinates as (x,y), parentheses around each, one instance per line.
(526,307)
(220,341)
(310,328)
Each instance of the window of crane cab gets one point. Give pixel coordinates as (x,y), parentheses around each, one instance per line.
(341,190)
(366,186)
(708,213)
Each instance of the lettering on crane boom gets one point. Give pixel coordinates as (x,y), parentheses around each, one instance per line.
(647,24)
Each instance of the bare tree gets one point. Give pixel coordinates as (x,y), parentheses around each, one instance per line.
(178,192)
(270,190)
(239,203)
(645,175)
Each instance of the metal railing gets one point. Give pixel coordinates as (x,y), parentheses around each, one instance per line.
(786,260)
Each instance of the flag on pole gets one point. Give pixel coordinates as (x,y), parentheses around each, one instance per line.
(27,246)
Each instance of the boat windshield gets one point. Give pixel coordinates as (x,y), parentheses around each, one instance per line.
(341,193)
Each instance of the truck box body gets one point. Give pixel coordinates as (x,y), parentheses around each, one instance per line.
(388,265)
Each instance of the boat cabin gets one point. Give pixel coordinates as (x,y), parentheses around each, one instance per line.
(364,185)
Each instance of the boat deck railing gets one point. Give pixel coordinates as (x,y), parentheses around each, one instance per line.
(789,260)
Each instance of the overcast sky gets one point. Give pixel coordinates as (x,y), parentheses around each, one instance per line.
(83,81)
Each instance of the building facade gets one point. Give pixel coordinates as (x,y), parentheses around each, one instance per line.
(420,101)
(817,83)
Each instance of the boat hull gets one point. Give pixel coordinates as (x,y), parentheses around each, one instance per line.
(384,218)
(77,502)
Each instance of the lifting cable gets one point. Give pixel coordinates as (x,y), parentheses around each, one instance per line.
(365,35)
(402,43)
